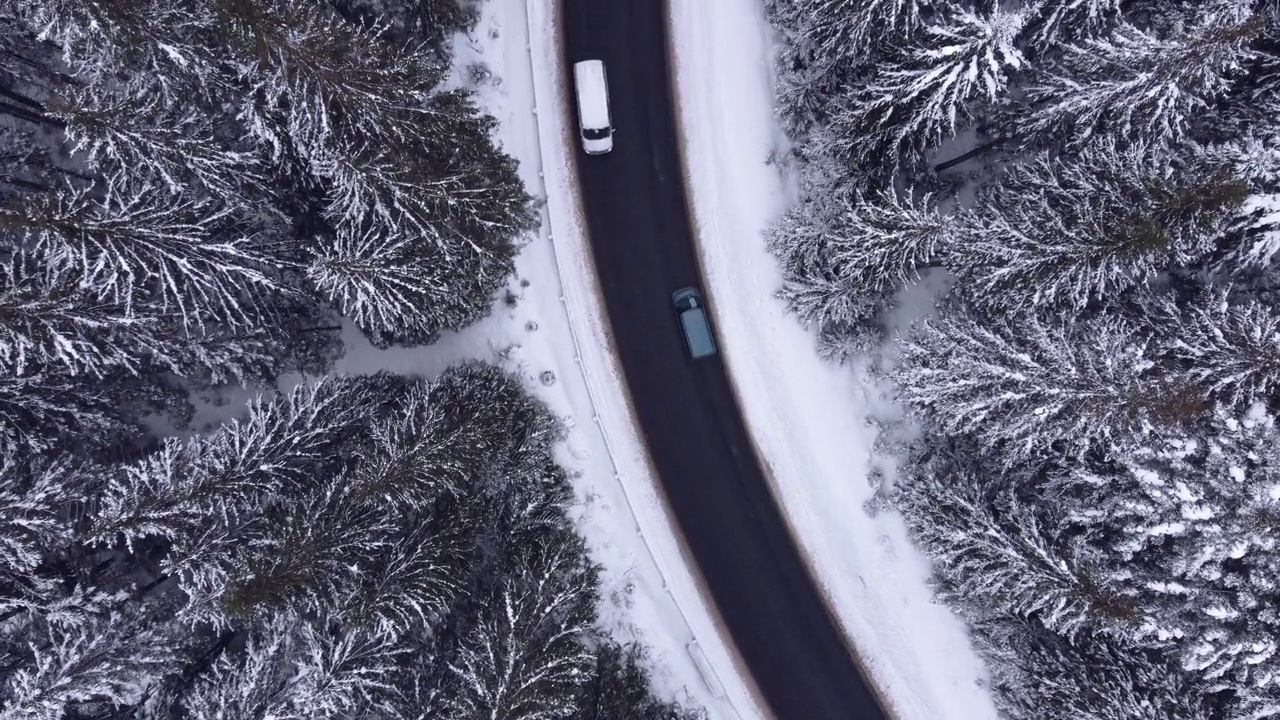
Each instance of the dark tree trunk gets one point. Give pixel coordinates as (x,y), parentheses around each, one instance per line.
(41,68)
(18,97)
(982,149)
(31,117)
(151,586)
(24,184)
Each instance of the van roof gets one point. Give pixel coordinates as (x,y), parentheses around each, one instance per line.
(697,332)
(593,94)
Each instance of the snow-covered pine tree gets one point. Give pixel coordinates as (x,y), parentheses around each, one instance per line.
(830,46)
(53,323)
(1138,84)
(422,236)
(1068,21)
(1188,525)
(1040,675)
(1068,233)
(620,689)
(300,559)
(879,241)
(136,128)
(926,91)
(43,411)
(411,582)
(281,446)
(38,497)
(113,660)
(335,109)
(129,242)
(296,668)
(990,550)
(318,75)
(841,302)
(396,288)
(1228,342)
(525,658)
(429,21)
(844,257)
(1028,385)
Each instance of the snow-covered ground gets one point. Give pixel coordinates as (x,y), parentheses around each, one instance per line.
(808,418)
(549,328)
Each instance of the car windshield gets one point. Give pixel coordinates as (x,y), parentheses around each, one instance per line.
(596,134)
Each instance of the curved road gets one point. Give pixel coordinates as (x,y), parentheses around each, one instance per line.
(642,243)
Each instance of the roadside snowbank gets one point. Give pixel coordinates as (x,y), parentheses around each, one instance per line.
(808,418)
(549,328)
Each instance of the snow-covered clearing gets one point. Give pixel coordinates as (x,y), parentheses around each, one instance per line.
(649,593)
(808,418)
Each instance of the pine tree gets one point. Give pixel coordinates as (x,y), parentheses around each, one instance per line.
(1029,385)
(128,240)
(309,551)
(280,446)
(1041,675)
(43,411)
(830,46)
(134,130)
(1190,530)
(620,689)
(37,497)
(52,323)
(990,550)
(387,284)
(1230,344)
(1069,234)
(926,93)
(412,582)
(524,659)
(1058,21)
(112,660)
(1137,84)
(880,241)
(296,669)
(842,301)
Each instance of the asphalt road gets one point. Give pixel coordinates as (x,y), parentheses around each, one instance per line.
(641,238)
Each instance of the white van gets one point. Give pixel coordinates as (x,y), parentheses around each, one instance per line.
(593,106)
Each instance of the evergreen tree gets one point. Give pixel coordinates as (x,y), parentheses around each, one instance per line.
(113,660)
(1068,234)
(1139,84)
(925,92)
(1189,525)
(1045,676)
(1028,386)
(297,669)
(141,131)
(128,239)
(281,446)
(525,657)
(44,411)
(1230,344)
(1058,21)
(990,550)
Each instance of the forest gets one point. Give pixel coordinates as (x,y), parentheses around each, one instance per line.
(197,196)
(1089,191)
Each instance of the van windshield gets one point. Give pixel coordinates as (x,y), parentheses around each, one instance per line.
(596,134)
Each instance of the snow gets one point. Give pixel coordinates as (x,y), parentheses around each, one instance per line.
(809,419)
(548,327)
